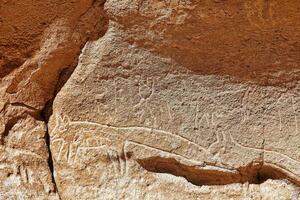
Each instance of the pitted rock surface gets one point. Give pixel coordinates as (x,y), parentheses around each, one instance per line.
(140,99)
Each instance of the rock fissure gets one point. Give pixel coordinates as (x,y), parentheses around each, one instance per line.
(253,173)
(64,76)
(176,95)
(17,104)
(34,81)
(50,159)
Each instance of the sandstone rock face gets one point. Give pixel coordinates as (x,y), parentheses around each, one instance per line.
(179,99)
(39,43)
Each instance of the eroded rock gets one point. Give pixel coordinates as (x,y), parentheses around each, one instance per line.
(181,99)
(201,90)
(38,41)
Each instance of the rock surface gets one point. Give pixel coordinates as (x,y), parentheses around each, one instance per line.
(178,99)
(39,42)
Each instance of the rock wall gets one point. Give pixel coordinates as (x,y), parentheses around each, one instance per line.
(149,99)
(39,46)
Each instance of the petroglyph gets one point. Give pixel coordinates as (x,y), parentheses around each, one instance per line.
(76,136)
(137,99)
(73,130)
(264,150)
(260,13)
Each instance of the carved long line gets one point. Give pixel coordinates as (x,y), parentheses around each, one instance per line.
(263,150)
(140,128)
(60,150)
(157,149)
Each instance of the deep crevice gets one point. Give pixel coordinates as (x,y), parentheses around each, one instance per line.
(254,173)
(46,112)
(64,76)
(50,160)
(98,28)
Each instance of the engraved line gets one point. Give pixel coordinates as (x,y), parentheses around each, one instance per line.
(141,129)
(161,150)
(262,150)
(202,165)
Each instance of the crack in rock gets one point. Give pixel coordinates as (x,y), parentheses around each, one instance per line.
(253,173)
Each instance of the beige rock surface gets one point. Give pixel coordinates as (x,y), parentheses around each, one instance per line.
(179,99)
(203,90)
(39,42)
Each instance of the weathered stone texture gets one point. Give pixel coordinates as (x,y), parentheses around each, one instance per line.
(179,99)
(38,41)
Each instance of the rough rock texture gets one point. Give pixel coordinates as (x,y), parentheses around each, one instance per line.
(39,42)
(179,99)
